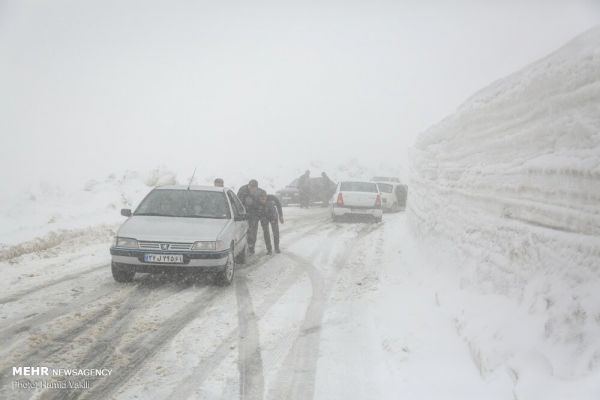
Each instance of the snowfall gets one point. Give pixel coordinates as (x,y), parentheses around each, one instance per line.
(486,287)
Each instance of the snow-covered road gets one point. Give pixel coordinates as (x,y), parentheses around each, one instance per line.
(343,313)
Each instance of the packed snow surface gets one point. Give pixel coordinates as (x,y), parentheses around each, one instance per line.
(511,182)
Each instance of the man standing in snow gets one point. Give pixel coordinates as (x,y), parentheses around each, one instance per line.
(304,189)
(249,196)
(270,212)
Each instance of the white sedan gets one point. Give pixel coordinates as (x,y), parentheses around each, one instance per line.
(356,198)
(196,228)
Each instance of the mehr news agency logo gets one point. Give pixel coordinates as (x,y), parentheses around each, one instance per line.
(58,378)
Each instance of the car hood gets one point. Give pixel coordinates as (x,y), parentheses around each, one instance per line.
(172,229)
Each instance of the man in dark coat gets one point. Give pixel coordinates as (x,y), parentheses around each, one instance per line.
(304,190)
(249,195)
(270,213)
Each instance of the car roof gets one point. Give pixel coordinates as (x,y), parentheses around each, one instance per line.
(204,188)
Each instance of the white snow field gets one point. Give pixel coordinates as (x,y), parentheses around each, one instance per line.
(511,185)
(486,288)
(347,310)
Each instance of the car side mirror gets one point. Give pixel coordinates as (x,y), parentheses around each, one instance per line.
(241,217)
(126,212)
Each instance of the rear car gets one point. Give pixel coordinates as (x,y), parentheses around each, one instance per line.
(180,228)
(357,198)
(393,195)
(389,201)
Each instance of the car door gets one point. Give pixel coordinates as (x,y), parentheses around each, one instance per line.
(239,221)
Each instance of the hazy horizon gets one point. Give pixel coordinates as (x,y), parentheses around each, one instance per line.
(96,87)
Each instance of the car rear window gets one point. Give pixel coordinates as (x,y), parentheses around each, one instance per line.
(358,187)
(385,187)
(184,203)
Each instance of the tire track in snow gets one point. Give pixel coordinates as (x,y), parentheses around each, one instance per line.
(200,373)
(131,358)
(249,356)
(296,379)
(250,360)
(10,334)
(138,354)
(193,382)
(34,289)
(52,345)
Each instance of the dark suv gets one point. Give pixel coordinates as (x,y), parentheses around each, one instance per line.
(320,192)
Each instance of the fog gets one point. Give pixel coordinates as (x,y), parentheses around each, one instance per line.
(92,87)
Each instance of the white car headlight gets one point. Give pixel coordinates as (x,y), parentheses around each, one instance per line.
(127,243)
(205,246)
(212,246)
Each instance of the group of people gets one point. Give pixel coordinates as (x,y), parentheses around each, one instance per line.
(319,191)
(261,208)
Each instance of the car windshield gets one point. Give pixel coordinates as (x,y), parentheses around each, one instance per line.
(358,187)
(184,203)
(385,187)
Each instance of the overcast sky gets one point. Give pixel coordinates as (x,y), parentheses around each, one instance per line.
(90,86)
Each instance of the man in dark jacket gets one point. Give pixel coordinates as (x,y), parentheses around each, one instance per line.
(304,189)
(270,213)
(249,195)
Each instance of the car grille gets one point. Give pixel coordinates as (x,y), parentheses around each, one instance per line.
(172,246)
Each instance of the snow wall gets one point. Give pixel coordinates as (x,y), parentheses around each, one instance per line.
(511,182)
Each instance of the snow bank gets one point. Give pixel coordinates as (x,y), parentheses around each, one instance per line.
(49,211)
(512,182)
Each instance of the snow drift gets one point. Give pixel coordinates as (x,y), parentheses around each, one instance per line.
(512,182)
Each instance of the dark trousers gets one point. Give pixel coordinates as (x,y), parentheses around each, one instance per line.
(264,223)
(253,233)
(275,226)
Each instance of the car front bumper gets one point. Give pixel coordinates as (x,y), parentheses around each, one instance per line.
(209,261)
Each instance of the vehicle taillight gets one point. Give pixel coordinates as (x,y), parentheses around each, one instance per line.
(340,200)
(378,201)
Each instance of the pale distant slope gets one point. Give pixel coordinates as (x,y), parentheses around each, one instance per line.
(53,209)
(512,180)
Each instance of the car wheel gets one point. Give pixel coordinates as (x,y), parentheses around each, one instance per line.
(241,258)
(121,274)
(225,277)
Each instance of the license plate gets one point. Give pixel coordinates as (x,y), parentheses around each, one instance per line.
(164,258)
